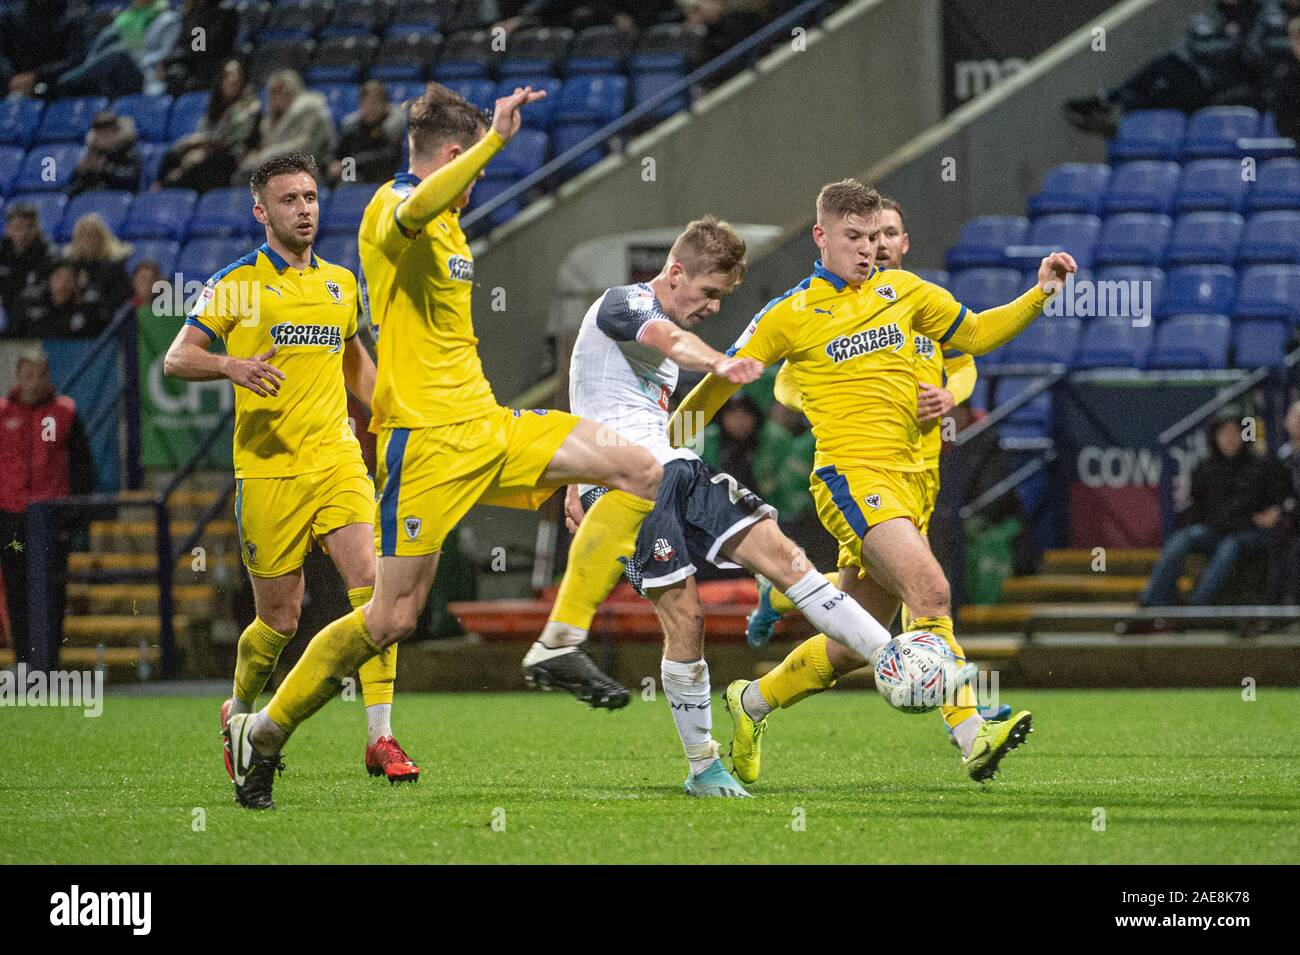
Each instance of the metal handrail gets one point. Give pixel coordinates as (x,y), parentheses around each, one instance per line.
(1199,416)
(636,114)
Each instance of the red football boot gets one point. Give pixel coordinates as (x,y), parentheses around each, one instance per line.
(387,758)
(225,740)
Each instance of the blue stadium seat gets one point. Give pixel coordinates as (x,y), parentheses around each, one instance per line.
(524,154)
(1032,419)
(49,207)
(149,113)
(1211,185)
(537,115)
(200,259)
(341,250)
(595,98)
(20,117)
(1073,187)
(1050,341)
(401,91)
(1192,341)
(409,57)
(1268,292)
(468,55)
(11,157)
(343,59)
(223,213)
(1114,343)
(1148,134)
(1260,344)
(1204,238)
(56,160)
(1143,186)
(344,98)
(162,251)
(667,47)
(1199,289)
(646,86)
(151,160)
(600,49)
(979,289)
(1277,186)
(1075,234)
(292,20)
(164,214)
(534,50)
(480,92)
(1133,238)
(983,241)
(111,205)
(1213,132)
(355,19)
(68,120)
(342,214)
(935,276)
(490,188)
(1270,237)
(187,110)
(1140,302)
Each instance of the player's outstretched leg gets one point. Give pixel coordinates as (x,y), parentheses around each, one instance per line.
(772,606)
(685,678)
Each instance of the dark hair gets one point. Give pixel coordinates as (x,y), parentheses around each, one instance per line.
(891,205)
(22,210)
(218,104)
(280,166)
(439,115)
(709,245)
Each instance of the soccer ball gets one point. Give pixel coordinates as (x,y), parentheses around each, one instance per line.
(918,672)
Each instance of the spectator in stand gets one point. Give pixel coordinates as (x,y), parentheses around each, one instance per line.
(1235,504)
(99,261)
(125,55)
(44,454)
(297,120)
(1223,59)
(1286,570)
(54,309)
(1286,87)
(144,277)
(39,41)
(195,66)
(25,261)
(207,158)
(726,22)
(111,159)
(371,138)
(731,442)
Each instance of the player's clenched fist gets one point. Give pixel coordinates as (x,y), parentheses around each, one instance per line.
(255,374)
(505,117)
(738,371)
(1053,270)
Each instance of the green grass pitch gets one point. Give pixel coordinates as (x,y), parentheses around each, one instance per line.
(1188,776)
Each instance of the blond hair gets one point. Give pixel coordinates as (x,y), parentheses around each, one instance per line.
(709,245)
(847,197)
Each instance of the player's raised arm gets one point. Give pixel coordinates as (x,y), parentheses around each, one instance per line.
(437,191)
(691,352)
(978,333)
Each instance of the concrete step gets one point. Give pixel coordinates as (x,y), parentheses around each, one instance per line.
(116,630)
(1118,560)
(975,618)
(227,562)
(195,600)
(122,664)
(184,504)
(1079,587)
(141,536)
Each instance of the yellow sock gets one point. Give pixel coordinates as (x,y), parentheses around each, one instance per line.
(379,672)
(255,659)
(966,699)
(807,670)
(333,654)
(783,604)
(607,533)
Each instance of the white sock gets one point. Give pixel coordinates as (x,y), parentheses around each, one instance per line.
(379,722)
(268,738)
(755,704)
(556,635)
(838,615)
(687,687)
(239,706)
(965,732)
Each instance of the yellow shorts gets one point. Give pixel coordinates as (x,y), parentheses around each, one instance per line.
(853,500)
(278,518)
(931,479)
(431,477)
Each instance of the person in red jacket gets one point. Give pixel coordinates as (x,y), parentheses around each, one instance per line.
(44,454)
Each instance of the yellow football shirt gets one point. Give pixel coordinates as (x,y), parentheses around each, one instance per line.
(307,314)
(852,354)
(416,289)
(938,366)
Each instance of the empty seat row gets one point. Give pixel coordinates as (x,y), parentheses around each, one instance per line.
(1210,133)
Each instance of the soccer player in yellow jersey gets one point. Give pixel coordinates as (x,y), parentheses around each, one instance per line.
(444,442)
(288,320)
(846,332)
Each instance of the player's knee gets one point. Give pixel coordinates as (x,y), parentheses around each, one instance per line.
(281,619)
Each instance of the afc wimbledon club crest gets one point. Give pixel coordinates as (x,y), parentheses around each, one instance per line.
(336,293)
(873,501)
(887,293)
(252,552)
(412,525)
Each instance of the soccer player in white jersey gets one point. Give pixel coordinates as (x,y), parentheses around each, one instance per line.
(632,342)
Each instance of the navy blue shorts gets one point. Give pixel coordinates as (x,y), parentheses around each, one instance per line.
(697,511)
